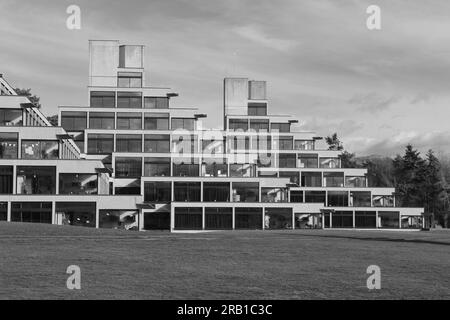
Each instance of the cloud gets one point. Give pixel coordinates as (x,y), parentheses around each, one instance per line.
(373,102)
(255,34)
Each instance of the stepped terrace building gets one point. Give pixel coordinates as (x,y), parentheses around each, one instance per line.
(130,160)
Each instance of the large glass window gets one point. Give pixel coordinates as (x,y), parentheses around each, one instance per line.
(245,191)
(304,145)
(129,99)
(156,103)
(157,191)
(11,117)
(8,145)
(365,219)
(37,212)
(248,218)
(188,218)
(36,180)
(388,219)
(128,143)
(337,199)
(131,187)
(103,99)
(274,194)
(214,168)
(280,127)
(183,123)
(6,179)
(257,109)
(216,191)
(76,213)
(213,146)
(360,199)
(74,120)
(129,120)
(283,143)
(238,124)
(78,183)
(383,201)
(156,121)
(35,149)
(218,218)
(292,175)
(286,160)
(242,170)
(100,143)
(128,167)
(308,160)
(296,196)
(186,191)
(157,167)
(355,182)
(315,197)
(129,79)
(3,211)
(184,144)
(119,219)
(157,143)
(239,143)
(330,163)
(259,125)
(333,179)
(311,179)
(101,120)
(342,219)
(185,170)
(278,218)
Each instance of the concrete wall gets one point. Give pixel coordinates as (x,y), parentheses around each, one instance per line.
(103,63)
(131,56)
(235,96)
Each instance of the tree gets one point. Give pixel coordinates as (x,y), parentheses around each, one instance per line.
(348,160)
(34,99)
(334,143)
(53,120)
(380,172)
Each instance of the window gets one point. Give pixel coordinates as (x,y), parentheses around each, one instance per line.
(214,168)
(333,179)
(286,160)
(129,99)
(337,199)
(103,99)
(365,219)
(311,179)
(257,109)
(259,125)
(37,212)
(129,79)
(238,124)
(129,120)
(6,179)
(183,123)
(100,143)
(315,197)
(388,219)
(263,142)
(156,121)
(239,143)
(128,143)
(342,219)
(355,182)
(278,218)
(245,191)
(188,218)
(284,143)
(78,183)
(383,201)
(184,143)
(40,149)
(133,187)
(156,103)
(157,143)
(304,144)
(213,146)
(118,219)
(330,163)
(76,213)
(157,167)
(11,117)
(157,191)
(128,167)
(186,191)
(308,160)
(280,127)
(101,120)
(8,145)
(216,191)
(242,170)
(360,199)
(292,175)
(296,196)
(274,194)
(73,121)
(185,170)
(218,218)
(36,180)
(3,211)
(248,218)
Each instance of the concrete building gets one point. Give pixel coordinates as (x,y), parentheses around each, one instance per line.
(129,160)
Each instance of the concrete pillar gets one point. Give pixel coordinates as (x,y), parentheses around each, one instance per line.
(53,212)
(203,218)
(293,220)
(399,220)
(376,220)
(97,217)
(15,179)
(8,211)
(172,218)
(354,219)
(233,218)
(140,218)
(331,220)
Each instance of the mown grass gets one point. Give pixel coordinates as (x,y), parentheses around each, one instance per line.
(287,264)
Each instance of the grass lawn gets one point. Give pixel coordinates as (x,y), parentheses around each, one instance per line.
(287,264)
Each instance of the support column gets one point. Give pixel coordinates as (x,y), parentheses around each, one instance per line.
(376,220)
(399,220)
(203,218)
(97,217)
(233,218)
(293,220)
(8,211)
(331,219)
(54,211)
(354,217)
(263,218)
(172,218)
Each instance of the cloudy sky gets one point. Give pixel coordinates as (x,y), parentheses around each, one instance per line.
(377,89)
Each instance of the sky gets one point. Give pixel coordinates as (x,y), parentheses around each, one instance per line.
(378,89)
